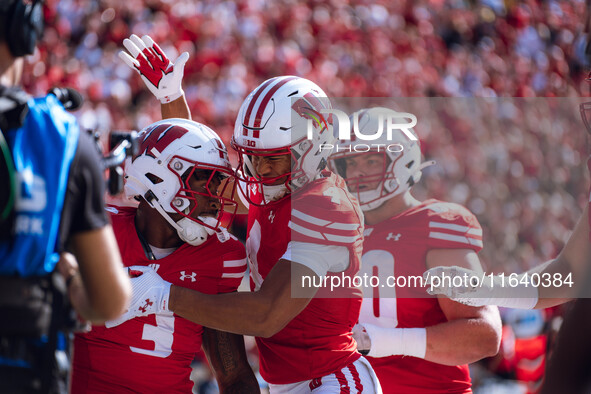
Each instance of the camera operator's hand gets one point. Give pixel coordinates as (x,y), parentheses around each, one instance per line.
(160,75)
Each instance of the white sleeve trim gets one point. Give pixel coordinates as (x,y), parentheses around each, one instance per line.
(319,258)
(323,236)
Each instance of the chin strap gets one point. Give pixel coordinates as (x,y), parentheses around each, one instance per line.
(189,234)
(273,192)
(192,232)
(371,194)
(426,164)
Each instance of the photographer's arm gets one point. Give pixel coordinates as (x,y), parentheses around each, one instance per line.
(573,260)
(100,290)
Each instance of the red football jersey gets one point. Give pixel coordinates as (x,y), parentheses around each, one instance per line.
(398,247)
(318,341)
(154,353)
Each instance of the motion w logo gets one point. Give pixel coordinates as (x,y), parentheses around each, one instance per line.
(159,137)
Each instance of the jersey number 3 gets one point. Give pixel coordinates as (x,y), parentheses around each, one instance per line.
(161,334)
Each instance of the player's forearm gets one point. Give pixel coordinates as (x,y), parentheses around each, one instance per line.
(568,273)
(239,313)
(262,313)
(462,341)
(245,383)
(176,109)
(227,357)
(552,295)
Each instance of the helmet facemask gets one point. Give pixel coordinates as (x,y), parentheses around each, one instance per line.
(271,188)
(174,152)
(372,190)
(217,192)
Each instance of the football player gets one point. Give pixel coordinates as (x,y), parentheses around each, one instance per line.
(563,278)
(567,368)
(414,343)
(176,230)
(302,223)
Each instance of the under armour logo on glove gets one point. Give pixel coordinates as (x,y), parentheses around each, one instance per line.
(160,75)
(150,294)
(145,307)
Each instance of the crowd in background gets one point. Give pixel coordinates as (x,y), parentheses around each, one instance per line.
(525,181)
(519,166)
(350,48)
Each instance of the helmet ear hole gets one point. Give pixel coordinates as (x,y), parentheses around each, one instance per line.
(322,164)
(154,178)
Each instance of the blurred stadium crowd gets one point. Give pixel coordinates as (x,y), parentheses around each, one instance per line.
(523,174)
(517,179)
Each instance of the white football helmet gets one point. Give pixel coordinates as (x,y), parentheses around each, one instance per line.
(273,120)
(402,159)
(171,150)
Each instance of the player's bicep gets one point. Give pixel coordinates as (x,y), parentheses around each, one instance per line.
(465,258)
(227,356)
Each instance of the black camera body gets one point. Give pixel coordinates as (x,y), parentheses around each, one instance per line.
(122,144)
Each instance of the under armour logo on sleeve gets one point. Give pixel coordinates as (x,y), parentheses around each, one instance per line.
(185,276)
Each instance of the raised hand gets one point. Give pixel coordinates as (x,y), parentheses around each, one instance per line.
(160,75)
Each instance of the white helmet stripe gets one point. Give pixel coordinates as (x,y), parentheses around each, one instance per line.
(263,105)
(253,101)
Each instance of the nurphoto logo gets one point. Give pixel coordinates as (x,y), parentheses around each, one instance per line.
(388,123)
